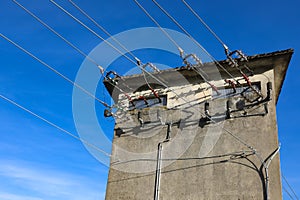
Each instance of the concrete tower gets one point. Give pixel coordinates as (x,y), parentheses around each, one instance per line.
(198,132)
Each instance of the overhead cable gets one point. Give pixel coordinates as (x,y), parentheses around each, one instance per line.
(59,35)
(103,29)
(201,73)
(54,70)
(102,70)
(192,38)
(290,187)
(206,25)
(55,125)
(288,193)
(92,31)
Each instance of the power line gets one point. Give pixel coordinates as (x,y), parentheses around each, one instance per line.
(205,24)
(284,178)
(200,72)
(55,71)
(103,29)
(192,38)
(92,31)
(158,25)
(102,70)
(59,35)
(54,125)
(289,194)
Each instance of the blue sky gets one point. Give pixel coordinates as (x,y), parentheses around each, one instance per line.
(38,161)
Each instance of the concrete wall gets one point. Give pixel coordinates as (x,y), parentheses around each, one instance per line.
(215,161)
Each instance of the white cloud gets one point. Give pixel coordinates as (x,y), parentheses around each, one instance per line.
(44,183)
(8,196)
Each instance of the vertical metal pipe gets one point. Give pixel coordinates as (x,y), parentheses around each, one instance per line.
(158,172)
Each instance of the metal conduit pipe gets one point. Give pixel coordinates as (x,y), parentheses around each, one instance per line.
(159,157)
(158,171)
(266,167)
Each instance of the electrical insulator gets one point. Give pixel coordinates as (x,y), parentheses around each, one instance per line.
(247,79)
(155,94)
(233,85)
(181,52)
(101,69)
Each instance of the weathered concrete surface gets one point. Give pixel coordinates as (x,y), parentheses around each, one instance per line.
(210,162)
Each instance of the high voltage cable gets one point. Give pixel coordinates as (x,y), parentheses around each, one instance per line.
(54,125)
(55,71)
(205,24)
(92,31)
(284,178)
(59,35)
(192,38)
(80,22)
(289,194)
(174,42)
(103,29)
(102,70)
(158,25)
